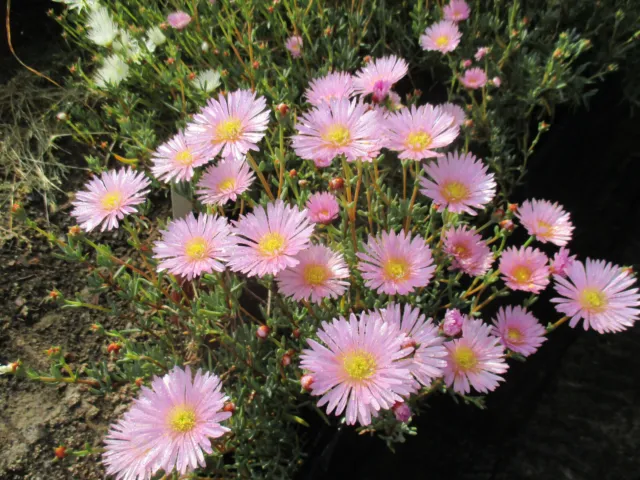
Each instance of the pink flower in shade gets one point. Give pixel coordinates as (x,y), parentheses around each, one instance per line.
(476,359)
(466,63)
(417,132)
(474,78)
(108,198)
(357,368)
(468,251)
(342,127)
(179,19)
(453,321)
(519,330)
(268,239)
(456,11)
(334,86)
(379,76)
(547,221)
(600,294)
(427,362)
(480,53)
(496,82)
(175,160)
(224,181)
(455,111)
(168,427)
(231,125)
(294,45)
(323,207)
(443,37)
(562,262)
(321,273)
(192,245)
(460,183)
(524,269)
(396,263)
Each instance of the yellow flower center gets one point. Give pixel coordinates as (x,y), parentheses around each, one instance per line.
(465,358)
(271,244)
(522,274)
(182,419)
(227,185)
(184,158)
(112,200)
(593,300)
(196,248)
(418,140)
(454,192)
(337,135)
(359,364)
(396,269)
(442,41)
(461,251)
(229,130)
(514,335)
(315,274)
(544,229)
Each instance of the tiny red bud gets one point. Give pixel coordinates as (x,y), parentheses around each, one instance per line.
(53,351)
(303,183)
(283,108)
(306,381)
(170,61)
(513,207)
(270,9)
(114,348)
(192,76)
(15,208)
(256,64)
(139,382)
(296,333)
(60,452)
(95,327)
(229,407)
(336,183)
(286,360)
(262,332)
(53,294)
(507,225)
(293,173)
(367,59)
(499,212)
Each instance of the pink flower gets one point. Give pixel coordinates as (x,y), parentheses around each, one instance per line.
(480,53)
(474,78)
(453,321)
(456,11)
(456,112)
(443,37)
(179,19)
(342,127)
(320,273)
(417,132)
(562,262)
(232,124)
(168,427)
(192,246)
(474,360)
(395,263)
(294,45)
(268,240)
(466,63)
(108,198)
(547,221)
(427,362)
(175,160)
(599,293)
(460,183)
(224,181)
(334,86)
(323,207)
(496,82)
(470,253)
(524,269)
(519,330)
(379,76)
(357,367)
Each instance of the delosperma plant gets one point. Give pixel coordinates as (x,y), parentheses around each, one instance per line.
(342,238)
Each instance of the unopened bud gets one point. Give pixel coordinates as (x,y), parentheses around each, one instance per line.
(336,183)
(229,407)
(52,351)
(466,63)
(507,225)
(114,348)
(513,207)
(139,382)
(303,183)
(296,333)
(75,230)
(283,109)
(60,452)
(255,64)
(402,412)
(293,173)
(306,381)
(262,332)
(205,47)
(53,294)
(62,116)
(286,360)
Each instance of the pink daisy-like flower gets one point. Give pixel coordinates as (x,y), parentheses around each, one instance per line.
(547,221)
(396,263)
(417,132)
(562,262)
(357,368)
(108,198)
(453,321)
(321,273)
(179,19)
(470,253)
(456,11)
(334,86)
(168,427)
(224,181)
(519,330)
(474,78)
(460,183)
(341,127)
(192,246)
(323,207)
(443,37)
(379,76)
(600,294)
(456,112)
(480,53)
(524,269)
(427,362)
(294,45)
(476,359)
(232,124)
(268,239)
(175,160)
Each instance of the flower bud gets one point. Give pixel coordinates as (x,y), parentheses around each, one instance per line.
(293,173)
(54,294)
(507,225)
(75,230)
(466,63)
(255,64)
(336,183)
(139,382)
(496,81)
(286,360)
(283,109)
(262,332)
(205,47)
(402,412)
(229,407)
(61,116)
(296,333)
(114,348)
(367,59)
(52,351)
(60,452)
(452,324)
(513,207)
(303,183)
(306,381)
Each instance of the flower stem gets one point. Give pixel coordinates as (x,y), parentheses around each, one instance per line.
(263,180)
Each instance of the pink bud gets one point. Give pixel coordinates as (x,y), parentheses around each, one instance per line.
(402,412)
(306,381)
(466,63)
(496,81)
(452,324)
(262,332)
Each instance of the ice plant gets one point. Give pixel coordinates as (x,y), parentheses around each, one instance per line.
(468,251)
(175,160)
(379,76)
(480,53)
(474,78)
(456,11)
(194,245)
(547,221)
(460,183)
(268,239)
(102,30)
(519,330)
(333,86)
(524,269)
(207,80)
(456,112)
(108,198)
(453,321)
(224,182)
(179,19)
(561,262)
(443,37)
(168,427)
(356,366)
(396,263)
(321,273)
(601,294)
(475,360)
(323,207)
(294,45)
(155,38)
(113,71)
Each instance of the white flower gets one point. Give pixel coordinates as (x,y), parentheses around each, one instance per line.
(155,38)
(128,46)
(207,81)
(102,29)
(6,369)
(78,4)
(112,72)
(204,47)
